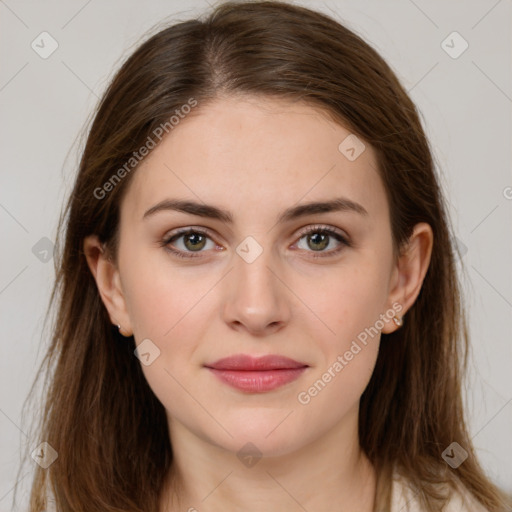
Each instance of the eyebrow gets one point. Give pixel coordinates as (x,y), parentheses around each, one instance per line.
(339,204)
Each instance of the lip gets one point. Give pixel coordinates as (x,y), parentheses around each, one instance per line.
(256,374)
(244,362)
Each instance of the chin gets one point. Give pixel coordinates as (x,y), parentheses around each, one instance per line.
(270,435)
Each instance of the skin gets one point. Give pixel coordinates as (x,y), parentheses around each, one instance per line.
(256,157)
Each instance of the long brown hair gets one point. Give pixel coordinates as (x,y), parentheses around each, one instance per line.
(100,415)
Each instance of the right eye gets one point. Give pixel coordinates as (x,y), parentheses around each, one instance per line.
(193,241)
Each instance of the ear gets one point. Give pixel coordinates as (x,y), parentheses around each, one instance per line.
(409,272)
(106,275)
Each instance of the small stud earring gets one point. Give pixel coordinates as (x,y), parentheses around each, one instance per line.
(121,332)
(399,321)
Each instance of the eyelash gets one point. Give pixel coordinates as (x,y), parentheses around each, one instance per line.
(311,229)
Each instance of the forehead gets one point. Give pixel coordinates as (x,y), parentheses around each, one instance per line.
(257,152)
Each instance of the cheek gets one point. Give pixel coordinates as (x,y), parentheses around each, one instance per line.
(346,300)
(169,319)
(349,348)
(349,301)
(167,306)
(351,307)
(335,391)
(160,296)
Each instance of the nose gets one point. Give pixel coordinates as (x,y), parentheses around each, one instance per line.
(256,299)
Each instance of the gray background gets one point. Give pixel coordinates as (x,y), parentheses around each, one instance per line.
(465,104)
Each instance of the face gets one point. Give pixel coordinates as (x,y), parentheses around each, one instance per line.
(314,286)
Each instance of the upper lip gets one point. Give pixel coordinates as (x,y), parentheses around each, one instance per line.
(246,362)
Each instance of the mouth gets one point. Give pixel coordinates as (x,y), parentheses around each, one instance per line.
(256,374)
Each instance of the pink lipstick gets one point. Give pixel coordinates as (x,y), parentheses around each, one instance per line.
(256,374)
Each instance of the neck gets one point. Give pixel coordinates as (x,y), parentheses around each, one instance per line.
(331,469)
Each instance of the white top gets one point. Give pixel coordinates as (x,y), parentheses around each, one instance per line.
(403,499)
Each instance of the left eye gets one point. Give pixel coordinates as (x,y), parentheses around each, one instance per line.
(195,240)
(319,239)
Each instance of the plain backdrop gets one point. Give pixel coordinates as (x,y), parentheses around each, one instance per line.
(464,96)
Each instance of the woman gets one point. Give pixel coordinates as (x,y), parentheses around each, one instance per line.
(258,303)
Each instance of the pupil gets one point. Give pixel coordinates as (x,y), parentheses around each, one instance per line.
(193,238)
(321,241)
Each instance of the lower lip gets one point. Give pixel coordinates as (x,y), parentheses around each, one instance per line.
(257,381)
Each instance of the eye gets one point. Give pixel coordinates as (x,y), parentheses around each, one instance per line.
(194,240)
(319,238)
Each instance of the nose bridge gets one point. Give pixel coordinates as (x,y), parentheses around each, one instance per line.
(256,297)
(253,278)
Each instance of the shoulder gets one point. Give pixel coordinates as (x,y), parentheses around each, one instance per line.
(404,499)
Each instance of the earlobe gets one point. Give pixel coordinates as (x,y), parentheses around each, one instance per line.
(106,275)
(410,271)
(399,320)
